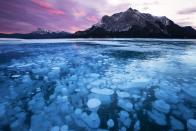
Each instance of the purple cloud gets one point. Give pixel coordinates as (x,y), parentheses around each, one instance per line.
(24,16)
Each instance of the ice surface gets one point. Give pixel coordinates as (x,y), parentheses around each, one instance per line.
(80,85)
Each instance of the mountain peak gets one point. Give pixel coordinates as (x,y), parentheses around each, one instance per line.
(132,23)
(41,31)
(132,10)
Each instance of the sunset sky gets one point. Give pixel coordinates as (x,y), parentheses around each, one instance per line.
(23,16)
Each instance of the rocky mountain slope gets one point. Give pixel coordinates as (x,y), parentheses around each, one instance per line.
(133,23)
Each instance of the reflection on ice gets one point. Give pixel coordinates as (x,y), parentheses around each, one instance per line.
(78,85)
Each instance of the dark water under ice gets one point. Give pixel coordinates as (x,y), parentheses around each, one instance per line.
(97,85)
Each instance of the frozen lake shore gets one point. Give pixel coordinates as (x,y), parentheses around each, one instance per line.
(97,85)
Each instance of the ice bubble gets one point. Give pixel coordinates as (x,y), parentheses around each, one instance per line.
(123,115)
(102,130)
(37,104)
(54,74)
(127,122)
(166,95)
(94,75)
(40,71)
(55,128)
(190,94)
(56,68)
(93,103)
(123,94)
(39,122)
(2,109)
(105,99)
(125,104)
(161,106)
(139,82)
(61,99)
(80,117)
(17,125)
(157,117)
(98,82)
(64,108)
(135,97)
(176,124)
(110,123)
(137,126)
(59,87)
(78,111)
(38,89)
(26,81)
(93,120)
(102,91)
(191,124)
(186,112)
(64,91)
(123,129)
(64,128)
(15,76)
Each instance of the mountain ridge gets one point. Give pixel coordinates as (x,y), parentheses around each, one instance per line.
(133,23)
(128,24)
(40,33)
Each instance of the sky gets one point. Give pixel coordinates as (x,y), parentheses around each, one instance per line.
(24,16)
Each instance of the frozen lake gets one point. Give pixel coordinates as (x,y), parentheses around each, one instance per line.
(97,85)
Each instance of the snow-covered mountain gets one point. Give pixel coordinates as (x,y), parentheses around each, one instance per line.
(40,33)
(133,23)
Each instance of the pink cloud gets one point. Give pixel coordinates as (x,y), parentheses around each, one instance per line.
(49,14)
(92,18)
(48,6)
(79,13)
(73,29)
